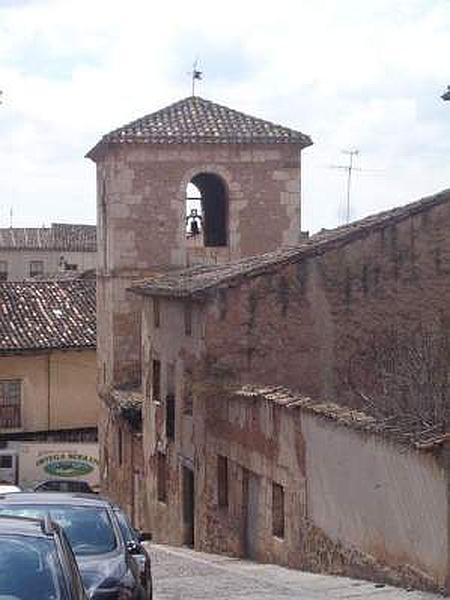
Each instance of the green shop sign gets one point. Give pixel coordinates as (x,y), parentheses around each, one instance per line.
(68,465)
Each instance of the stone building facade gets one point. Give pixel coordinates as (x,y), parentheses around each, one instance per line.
(247,167)
(344,316)
(48,374)
(318,486)
(46,252)
(247,172)
(246,300)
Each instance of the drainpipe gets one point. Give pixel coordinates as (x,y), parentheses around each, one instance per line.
(133,480)
(48,391)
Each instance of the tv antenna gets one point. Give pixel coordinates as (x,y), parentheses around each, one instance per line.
(196,75)
(349,168)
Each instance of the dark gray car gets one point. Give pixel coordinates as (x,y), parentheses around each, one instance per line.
(108,570)
(36,561)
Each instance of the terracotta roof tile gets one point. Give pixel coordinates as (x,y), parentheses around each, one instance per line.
(60,237)
(195,120)
(197,281)
(394,427)
(47,315)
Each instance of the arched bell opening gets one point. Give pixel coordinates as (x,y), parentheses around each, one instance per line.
(207,209)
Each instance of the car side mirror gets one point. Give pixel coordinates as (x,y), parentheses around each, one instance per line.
(133,548)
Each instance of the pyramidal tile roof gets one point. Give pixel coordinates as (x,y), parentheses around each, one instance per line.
(196,120)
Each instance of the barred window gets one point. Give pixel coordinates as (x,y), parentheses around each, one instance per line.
(156,380)
(222,481)
(161,474)
(36,268)
(277,510)
(156,313)
(188,400)
(187,318)
(10,400)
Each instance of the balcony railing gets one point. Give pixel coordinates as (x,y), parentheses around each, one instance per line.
(10,416)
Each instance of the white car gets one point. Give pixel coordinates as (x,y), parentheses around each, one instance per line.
(6,488)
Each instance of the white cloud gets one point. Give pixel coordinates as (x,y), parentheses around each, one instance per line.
(349,73)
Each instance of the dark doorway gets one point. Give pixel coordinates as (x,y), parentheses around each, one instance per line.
(214,208)
(250,492)
(188,506)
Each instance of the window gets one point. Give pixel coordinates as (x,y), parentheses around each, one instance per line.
(170,417)
(170,402)
(187,318)
(188,400)
(71,266)
(277,510)
(10,400)
(156,312)
(36,268)
(161,483)
(222,481)
(120,446)
(6,461)
(3,270)
(156,380)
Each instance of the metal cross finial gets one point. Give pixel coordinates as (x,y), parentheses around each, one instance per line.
(196,75)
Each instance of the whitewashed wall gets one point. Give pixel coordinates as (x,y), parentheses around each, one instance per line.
(387,501)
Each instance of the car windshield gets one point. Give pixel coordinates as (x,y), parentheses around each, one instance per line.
(63,486)
(29,568)
(89,529)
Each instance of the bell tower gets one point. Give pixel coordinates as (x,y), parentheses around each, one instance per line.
(195,182)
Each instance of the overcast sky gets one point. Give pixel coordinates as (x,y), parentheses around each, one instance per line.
(365,74)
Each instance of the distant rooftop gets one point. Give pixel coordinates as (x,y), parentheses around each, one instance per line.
(64,237)
(197,281)
(38,315)
(195,120)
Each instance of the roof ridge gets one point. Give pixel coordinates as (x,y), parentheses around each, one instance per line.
(192,281)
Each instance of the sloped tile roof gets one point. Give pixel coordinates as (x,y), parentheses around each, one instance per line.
(399,430)
(197,281)
(42,315)
(64,237)
(195,120)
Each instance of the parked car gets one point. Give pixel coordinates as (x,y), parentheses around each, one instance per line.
(64,485)
(36,561)
(133,540)
(108,570)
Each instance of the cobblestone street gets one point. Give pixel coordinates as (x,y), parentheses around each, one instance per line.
(182,574)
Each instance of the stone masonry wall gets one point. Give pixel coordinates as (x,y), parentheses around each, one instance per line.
(276,444)
(312,325)
(122,471)
(141,224)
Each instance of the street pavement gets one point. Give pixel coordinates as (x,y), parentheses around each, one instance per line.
(183,574)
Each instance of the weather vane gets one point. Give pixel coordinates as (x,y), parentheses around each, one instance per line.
(196,75)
